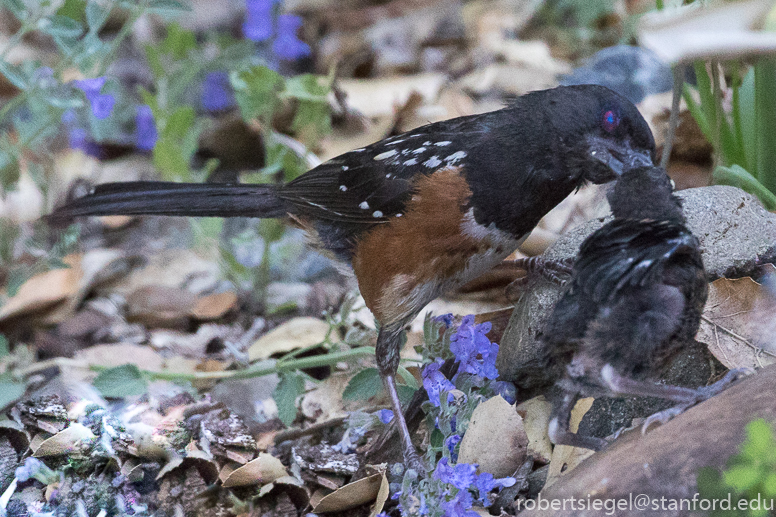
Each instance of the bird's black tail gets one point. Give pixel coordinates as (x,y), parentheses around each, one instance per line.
(168,198)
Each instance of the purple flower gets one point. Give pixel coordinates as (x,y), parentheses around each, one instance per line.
(446,319)
(77,139)
(474,352)
(451,442)
(485,483)
(258,19)
(287,45)
(216,92)
(507,391)
(29,469)
(435,382)
(70,117)
(461,475)
(145,128)
(102,104)
(459,505)
(385,415)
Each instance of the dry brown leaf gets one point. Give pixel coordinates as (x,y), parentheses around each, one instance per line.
(738,324)
(264,469)
(536,418)
(495,438)
(564,457)
(201,460)
(44,290)
(71,440)
(354,494)
(214,306)
(325,401)
(293,334)
(160,306)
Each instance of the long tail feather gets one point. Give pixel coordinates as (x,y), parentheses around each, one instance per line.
(168,198)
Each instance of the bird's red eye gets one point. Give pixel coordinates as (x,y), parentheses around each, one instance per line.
(610,121)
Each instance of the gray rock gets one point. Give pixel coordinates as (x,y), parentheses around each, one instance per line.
(736,234)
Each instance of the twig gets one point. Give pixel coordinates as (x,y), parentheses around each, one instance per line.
(293,434)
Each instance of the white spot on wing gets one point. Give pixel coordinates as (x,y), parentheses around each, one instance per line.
(386,154)
(398,215)
(455,157)
(377,213)
(434,161)
(345,167)
(343,188)
(419,150)
(364,205)
(443,144)
(411,161)
(427,142)
(395,142)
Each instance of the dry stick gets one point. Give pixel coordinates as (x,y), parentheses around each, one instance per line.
(293,434)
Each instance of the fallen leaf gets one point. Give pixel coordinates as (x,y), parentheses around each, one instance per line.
(495,438)
(264,469)
(295,333)
(160,306)
(214,306)
(44,290)
(564,457)
(379,97)
(69,441)
(536,418)
(354,494)
(738,324)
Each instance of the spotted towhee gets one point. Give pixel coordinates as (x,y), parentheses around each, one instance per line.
(635,298)
(424,212)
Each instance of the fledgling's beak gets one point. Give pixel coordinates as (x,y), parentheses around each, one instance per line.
(619,156)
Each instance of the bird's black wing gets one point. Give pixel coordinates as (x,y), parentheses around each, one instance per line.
(370,185)
(629,253)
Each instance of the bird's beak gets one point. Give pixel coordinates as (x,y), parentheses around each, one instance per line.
(618,156)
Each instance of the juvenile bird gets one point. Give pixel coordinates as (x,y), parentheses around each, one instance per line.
(424,212)
(636,296)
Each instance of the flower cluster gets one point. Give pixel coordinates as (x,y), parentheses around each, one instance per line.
(102,103)
(435,381)
(472,349)
(259,26)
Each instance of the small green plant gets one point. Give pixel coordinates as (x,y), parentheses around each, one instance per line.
(747,487)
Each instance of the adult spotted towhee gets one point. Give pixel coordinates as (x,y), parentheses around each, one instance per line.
(424,212)
(636,296)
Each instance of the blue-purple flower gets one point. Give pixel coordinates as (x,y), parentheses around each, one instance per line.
(473,350)
(435,381)
(506,389)
(102,103)
(30,467)
(459,505)
(287,45)
(258,19)
(217,93)
(461,475)
(451,442)
(145,128)
(385,415)
(485,484)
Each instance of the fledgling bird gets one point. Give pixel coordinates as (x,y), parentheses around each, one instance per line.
(424,212)
(636,296)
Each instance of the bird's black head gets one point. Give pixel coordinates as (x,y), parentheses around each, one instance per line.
(645,193)
(602,133)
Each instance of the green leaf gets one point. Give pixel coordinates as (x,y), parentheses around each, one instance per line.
(168,8)
(96,15)
(364,385)
(741,477)
(290,387)
(121,381)
(5,350)
(14,74)
(408,378)
(62,26)
(737,176)
(73,9)
(256,91)
(11,390)
(311,121)
(178,42)
(769,485)
(306,87)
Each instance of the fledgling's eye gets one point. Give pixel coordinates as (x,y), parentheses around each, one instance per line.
(610,121)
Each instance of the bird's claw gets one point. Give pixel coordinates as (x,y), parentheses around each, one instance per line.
(704,393)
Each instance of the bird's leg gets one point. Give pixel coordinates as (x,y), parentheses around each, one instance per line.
(555,271)
(387,353)
(559,425)
(701,394)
